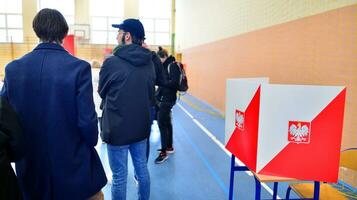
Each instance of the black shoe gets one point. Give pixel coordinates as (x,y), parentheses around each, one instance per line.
(161,158)
(168,150)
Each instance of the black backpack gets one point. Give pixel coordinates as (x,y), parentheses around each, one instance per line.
(182,85)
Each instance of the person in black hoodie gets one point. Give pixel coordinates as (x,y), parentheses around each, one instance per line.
(12,148)
(166,99)
(126,82)
(161,80)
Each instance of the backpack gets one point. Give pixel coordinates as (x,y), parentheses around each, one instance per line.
(182,85)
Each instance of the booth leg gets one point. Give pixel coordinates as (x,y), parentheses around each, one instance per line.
(231,180)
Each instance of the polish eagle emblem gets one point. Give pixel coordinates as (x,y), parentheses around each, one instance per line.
(299,132)
(239,119)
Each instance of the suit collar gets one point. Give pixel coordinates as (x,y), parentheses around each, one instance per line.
(47,45)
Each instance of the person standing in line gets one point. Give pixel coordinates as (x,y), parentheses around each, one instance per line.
(12,148)
(126,82)
(166,99)
(52,93)
(161,79)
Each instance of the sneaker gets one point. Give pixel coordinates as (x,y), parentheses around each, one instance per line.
(168,150)
(161,158)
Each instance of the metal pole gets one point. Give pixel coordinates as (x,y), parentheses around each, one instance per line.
(231,181)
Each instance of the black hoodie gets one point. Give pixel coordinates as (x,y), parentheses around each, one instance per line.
(126,82)
(167,91)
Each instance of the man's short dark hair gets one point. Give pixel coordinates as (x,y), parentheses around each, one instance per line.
(50,25)
(135,40)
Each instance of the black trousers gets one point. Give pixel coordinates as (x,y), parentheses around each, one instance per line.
(164,117)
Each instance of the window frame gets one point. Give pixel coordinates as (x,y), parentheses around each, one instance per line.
(108,29)
(155,31)
(8,38)
(66,16)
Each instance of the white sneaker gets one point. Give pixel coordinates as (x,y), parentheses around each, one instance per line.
(169,150)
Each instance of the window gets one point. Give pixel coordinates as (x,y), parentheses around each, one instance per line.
(103,14)
(156,18)
(66,7)
(11,21)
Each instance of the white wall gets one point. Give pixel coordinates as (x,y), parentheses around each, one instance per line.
(199,22)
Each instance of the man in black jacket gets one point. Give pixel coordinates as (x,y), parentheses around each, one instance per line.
(161,80)
(126,82)
(166,99)
(12,148)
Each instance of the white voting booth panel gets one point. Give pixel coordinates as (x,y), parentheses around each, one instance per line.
(295,131)
(242,102)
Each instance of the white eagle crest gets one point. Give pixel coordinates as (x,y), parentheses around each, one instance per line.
(299,132)
(240,119)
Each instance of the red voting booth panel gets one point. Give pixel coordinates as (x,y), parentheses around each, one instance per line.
(315,161)
(68,44)
(244,140)
(292,131)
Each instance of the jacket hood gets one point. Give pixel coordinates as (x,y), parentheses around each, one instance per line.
(169,60)
(134,54)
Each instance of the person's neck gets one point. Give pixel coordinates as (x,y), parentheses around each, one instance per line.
(53,42)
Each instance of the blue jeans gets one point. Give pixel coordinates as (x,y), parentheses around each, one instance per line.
(118,161)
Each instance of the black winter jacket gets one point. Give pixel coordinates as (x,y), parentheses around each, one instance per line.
(161,76)
(167,91)
(12,148)
(126,82)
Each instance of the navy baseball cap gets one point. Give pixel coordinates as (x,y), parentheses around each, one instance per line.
(133,26)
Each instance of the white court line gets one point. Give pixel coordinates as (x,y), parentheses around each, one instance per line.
(215,140)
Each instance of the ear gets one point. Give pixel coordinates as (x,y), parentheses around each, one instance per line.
(128,37)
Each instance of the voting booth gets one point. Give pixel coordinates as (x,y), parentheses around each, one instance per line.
(68,44)
(281,130)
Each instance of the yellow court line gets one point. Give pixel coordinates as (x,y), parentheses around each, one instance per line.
(196,107)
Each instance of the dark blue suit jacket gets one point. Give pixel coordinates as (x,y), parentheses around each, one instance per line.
(53,95)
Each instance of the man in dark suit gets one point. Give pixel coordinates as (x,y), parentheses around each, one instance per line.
(52,93)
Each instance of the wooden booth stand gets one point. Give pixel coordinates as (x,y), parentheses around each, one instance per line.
(284,133)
